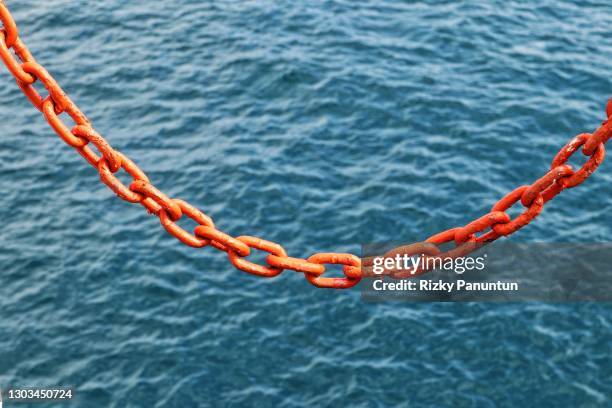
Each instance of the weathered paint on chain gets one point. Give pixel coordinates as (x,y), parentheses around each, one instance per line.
(108,161)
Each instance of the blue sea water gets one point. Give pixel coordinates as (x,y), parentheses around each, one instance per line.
(320,125)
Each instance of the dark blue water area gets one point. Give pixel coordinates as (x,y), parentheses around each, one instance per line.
(321,125)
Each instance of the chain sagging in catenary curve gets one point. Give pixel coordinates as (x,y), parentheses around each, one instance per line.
(108,161)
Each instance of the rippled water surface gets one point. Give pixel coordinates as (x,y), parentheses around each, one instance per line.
(320,125)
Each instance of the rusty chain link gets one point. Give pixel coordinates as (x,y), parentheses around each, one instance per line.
(108,161)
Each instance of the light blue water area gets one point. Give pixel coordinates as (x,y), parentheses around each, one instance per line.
(320,125)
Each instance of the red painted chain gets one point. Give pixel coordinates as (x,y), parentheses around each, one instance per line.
(108,161)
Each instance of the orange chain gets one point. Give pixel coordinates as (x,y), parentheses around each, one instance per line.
(108,161)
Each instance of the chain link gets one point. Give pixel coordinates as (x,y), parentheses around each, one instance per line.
(497,223)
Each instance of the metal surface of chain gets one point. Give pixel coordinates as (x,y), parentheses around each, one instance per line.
(96,150)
